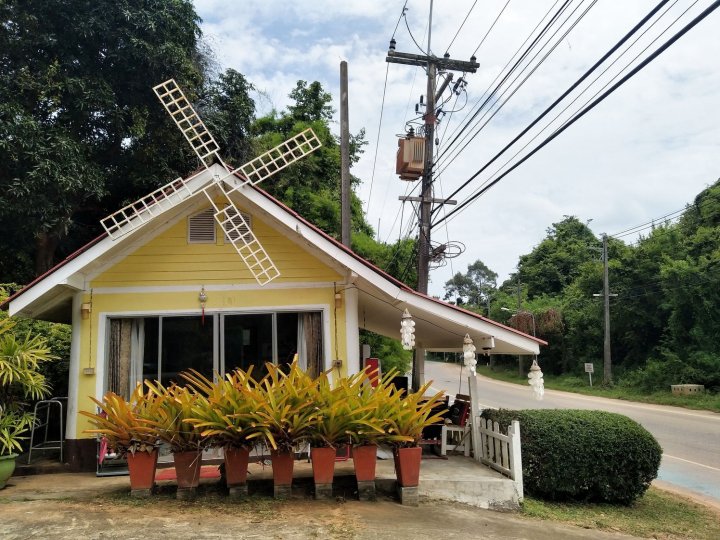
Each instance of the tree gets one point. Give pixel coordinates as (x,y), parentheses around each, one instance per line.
(474,288)
(229,112)
(311,187)
(80,128)
(556,261)
(312,103)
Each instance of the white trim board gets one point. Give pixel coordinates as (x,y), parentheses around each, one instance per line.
(228,287)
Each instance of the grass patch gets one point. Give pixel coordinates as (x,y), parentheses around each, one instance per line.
(658,514)
(570,383)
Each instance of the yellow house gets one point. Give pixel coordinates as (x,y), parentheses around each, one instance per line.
(174,294)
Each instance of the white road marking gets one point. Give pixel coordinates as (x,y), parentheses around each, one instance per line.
(692,462)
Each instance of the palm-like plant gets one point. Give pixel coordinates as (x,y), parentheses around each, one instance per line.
(128,426)
(226,413)
(286,407)
(407,415)
(20,380)
(175,408)
(347,413)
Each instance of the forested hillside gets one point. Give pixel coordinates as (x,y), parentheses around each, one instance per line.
(665,319)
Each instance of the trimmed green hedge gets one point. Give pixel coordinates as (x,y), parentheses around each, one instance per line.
(583,455)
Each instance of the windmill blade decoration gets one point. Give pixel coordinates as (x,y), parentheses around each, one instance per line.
(177,105)
(228,216)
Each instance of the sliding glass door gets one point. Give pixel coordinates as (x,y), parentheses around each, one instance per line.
(163,346)
(187,343)
(247,340)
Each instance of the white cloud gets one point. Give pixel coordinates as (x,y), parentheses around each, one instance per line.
(646,151)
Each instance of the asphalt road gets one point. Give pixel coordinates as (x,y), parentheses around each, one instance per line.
(690,439)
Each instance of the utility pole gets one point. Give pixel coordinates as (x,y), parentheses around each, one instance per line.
(432,65)
(607,360)
(519,307)
(344,157)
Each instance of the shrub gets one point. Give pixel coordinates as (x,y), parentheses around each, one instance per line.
(592,456)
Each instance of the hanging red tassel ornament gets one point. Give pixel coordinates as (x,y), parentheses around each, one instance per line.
(203,300)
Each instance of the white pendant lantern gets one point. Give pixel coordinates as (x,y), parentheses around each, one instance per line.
(535,380)
(407,331)
(469,354)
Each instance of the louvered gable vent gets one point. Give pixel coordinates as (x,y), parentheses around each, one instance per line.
(201,228)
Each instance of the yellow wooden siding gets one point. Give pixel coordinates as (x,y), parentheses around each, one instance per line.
(169,259)
(93,344)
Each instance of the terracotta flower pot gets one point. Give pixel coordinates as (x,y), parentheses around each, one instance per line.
(236,466)
(323,464)
(407,465)
(187,468)
(282,467)
(142,466)
(365,460)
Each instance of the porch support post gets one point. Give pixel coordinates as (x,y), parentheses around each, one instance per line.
(352,331)
(74,368)
(516,458)
(475,419)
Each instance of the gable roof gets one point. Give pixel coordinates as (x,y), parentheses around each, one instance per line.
(382,298)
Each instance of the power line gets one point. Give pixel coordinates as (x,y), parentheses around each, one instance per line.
(577,83)
(461,25)
(490,29)
(651,223)
(402,13)
(591,106)
(532,32)
(377,140)
(457,151)
(407,25)
(508,74)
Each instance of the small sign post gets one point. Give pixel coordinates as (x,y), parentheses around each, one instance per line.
(590,369)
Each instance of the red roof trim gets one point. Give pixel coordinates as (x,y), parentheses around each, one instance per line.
(385,275)
(4,306)
(336,243)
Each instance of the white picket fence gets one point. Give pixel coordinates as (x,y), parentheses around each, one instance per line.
(499,451)
(492,447)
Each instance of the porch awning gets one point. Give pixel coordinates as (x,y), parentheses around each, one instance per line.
(439,326)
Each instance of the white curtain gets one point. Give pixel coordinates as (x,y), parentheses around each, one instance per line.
(302,349)
(137,352)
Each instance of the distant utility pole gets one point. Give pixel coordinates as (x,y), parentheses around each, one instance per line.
(519,307)
(344,157)
(607,360)
(432,64)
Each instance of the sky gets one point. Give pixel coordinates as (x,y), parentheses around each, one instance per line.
(644,152)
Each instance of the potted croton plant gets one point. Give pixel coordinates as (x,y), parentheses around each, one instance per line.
(370,409)
(184,437)
(286,408)
(226,420)
(407,416)
(333,425)
(127,427)
(20,380)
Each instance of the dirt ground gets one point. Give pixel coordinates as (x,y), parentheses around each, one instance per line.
(119,516)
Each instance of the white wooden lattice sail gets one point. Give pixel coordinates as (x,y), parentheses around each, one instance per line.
(175,102)
(136,214)
(240,235)
(236,228)
(276,159)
